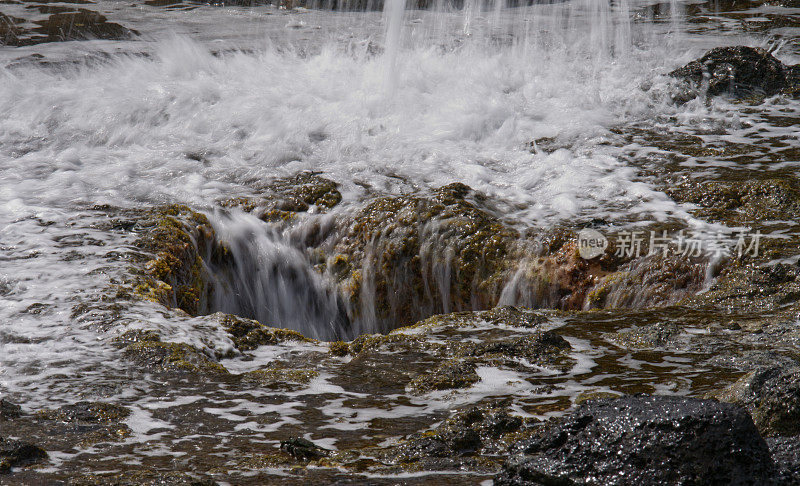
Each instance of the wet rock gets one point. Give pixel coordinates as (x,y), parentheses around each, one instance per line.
(478,430)
(414,255)
(165,357)
(339,349)
(86,422)
(283,199)
(81,25)
(10,30)
(14,453)
(644,440)
(650,336)
(772,396)
(752,288)
(9,410)
(175,240)
(741,201)
(98,412)
(142,477)
(738,71)
(452,374)
(303,449)
(248,334)
(281,378)
(786,454)
(545,349)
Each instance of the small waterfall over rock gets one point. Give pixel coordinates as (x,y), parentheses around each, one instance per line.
(273,282)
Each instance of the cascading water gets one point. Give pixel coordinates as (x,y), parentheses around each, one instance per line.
(273,282)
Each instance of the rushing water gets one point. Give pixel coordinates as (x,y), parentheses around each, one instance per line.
(226,99)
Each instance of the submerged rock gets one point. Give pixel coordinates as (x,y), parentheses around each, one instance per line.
(738,71)
(644,440)
(772,396)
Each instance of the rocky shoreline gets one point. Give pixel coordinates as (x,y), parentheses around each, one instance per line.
(501,354)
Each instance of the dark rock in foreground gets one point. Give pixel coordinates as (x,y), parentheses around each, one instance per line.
(772,396)
(645,440)
(786,454)
(738,71)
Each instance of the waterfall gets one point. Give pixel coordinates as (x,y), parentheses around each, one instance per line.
(273,282)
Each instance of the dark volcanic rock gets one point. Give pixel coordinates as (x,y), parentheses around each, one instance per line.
(786,453)
(9,410)
(474,430)
(14,453)
(772,396)
(303,449)
(645,440)
(737,70)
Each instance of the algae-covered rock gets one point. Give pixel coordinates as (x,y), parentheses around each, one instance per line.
(248,334)
(456,373)
(415,256)
(181,357)
(283,199)
(741,201)
(772,396)
(737,71)
(644,440)
(180,245)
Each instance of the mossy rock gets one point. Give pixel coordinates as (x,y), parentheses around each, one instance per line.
(452,374)
(283,199)
(277,377)
(751,288)
(339,349)
(737,202)
(248,334)
(176,240)
(403,241)
(166,357)
(135,336)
